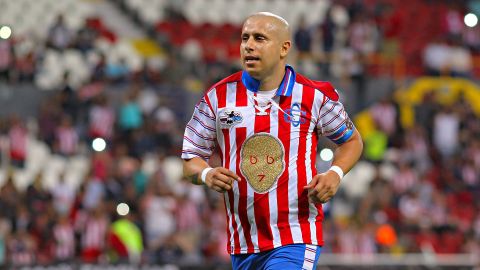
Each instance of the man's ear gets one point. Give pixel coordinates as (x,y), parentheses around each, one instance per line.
(285,48)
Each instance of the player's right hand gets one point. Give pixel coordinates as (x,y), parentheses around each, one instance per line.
(221,179)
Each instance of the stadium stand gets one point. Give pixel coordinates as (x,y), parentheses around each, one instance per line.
(66,198)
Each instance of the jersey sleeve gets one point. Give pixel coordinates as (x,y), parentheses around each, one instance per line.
(200,133)
(334,122)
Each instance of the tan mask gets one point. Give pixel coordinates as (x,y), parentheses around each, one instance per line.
(262,161)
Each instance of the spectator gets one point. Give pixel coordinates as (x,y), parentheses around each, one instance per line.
(405,180)
(436,58)
(85,39)
(187,233)
(94,193)
(362,34)
(21,248)
(416,149)
(376,143)
(425,112)
(384,114)
(471,38)
(125,241)
(446,132)
(9,198)
(213,247)
(18,141)
(93,225)
(390,24)
(452,21)
(5,230)
(47,121)
(159,207)
(25,67)
(327,32)
(117,72)
(461,60)
(101,119)
(130,116)
(37,197)
(41,231)
(67,138)
(411,209)
(6,59)
(68,98)
(63,196)
(64,236)
(303,39)
(350,65)
(60,37)
(99,69)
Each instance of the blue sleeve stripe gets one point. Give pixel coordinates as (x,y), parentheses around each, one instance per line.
(345,137)
(338,132)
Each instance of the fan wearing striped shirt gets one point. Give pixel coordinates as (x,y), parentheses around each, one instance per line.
(266,120)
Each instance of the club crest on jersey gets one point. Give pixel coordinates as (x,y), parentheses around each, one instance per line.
(230,117)
(295,115)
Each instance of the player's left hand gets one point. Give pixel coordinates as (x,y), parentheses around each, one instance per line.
(323,186)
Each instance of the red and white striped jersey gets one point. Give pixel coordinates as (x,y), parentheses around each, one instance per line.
(102,119)
(273,150)
(94,232)
(67,139)
(18,142)
(65,241)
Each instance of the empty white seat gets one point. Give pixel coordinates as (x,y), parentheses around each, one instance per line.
(357,181)
(54,166)
(3,177)
(149,164)
(77,169)
(194,11)
(134,4)
(37,155)
(173,169)
(150,15)
(22,178)
(192,50)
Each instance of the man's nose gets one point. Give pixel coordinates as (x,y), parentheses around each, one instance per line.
(249,44)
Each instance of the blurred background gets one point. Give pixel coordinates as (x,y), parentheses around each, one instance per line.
(95,95)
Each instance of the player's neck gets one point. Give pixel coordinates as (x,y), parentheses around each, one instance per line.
(273,80)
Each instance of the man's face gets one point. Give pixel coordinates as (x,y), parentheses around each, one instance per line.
(261,49)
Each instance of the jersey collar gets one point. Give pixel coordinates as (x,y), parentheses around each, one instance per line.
(285,88)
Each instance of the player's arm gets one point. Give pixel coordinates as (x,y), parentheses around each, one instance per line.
(325,185)
(192,169)
(198,145)
(219,179)
(348,153)
(337,126)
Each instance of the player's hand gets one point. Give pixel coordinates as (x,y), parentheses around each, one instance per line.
(323,186)
(221,179)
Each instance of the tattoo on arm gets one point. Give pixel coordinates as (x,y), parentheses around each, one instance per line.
(195,179)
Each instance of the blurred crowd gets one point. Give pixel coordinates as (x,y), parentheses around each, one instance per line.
(420,196)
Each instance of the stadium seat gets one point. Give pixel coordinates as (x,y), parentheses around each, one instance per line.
(37,154)
(173,169)
(77,169)
(356,182)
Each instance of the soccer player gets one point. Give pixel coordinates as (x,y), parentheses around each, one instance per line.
(266,121)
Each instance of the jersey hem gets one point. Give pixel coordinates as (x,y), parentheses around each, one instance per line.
(270,247)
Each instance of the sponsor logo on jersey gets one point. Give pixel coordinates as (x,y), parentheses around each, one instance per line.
(295,115)
(230,117)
